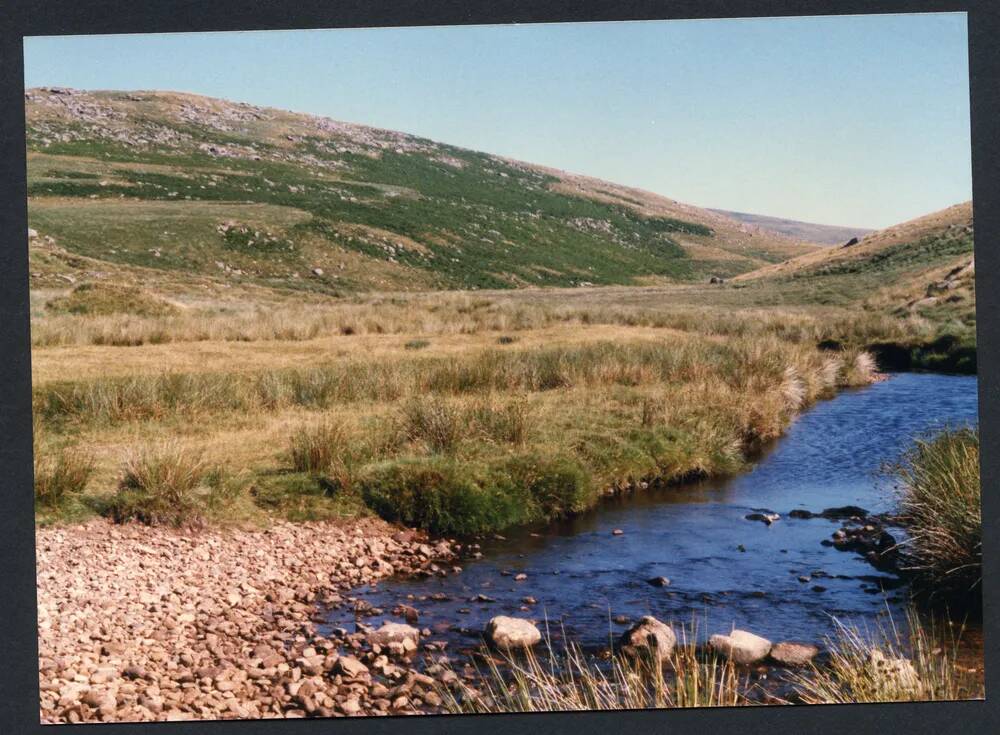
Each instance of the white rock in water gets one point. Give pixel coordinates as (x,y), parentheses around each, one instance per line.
(740,646)
(506,632)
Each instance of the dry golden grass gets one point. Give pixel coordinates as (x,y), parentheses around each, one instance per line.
(591,385)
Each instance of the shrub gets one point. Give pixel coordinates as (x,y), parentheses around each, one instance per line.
(940,507)
(441,495)
(160,486)
(555,487)
(60,474)
(416,344)
(317,448)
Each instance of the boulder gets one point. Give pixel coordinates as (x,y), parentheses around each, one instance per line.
(740,646)
(789,653)
(395,633)
(32,233)
(896,673)
(507,632)
(658,582)
(649,634)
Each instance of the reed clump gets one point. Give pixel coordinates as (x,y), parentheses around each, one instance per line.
(565,678)
(160,485)
(916,664)
(940,506)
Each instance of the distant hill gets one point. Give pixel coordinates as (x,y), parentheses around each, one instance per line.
(192,190)
(924,268)
(804,231)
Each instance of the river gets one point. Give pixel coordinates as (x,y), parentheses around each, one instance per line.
(724,570)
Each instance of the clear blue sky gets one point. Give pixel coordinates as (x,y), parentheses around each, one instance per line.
(852,120)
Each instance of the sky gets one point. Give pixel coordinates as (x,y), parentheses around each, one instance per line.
(847,120)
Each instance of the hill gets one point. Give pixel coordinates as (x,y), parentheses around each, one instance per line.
(187,190)
(805,231)
(922,271)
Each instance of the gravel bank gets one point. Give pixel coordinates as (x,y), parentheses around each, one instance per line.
(139,623)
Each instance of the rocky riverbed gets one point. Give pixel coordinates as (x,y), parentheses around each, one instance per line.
(139,623)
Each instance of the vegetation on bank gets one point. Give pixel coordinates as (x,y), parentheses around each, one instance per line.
(918,662)
(940,506)
(467,442)
(565,678)
(915,662)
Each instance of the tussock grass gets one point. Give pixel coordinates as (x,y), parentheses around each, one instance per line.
(61,473)
(434,422)
(940,503)
(160,486)
(568,679)
(889,665)
(474,441)
(317,448)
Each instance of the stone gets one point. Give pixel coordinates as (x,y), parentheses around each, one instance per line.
(790,653)
(32,234)
(649,634)
(897,673)
(766,518)
(740,646)
(507,632)
(350,666)
(394,633)
(658,582)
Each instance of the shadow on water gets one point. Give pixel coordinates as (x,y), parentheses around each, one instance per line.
(724,570)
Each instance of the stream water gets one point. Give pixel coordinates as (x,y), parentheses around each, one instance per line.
(724,570)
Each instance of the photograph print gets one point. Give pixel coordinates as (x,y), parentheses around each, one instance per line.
(379,371)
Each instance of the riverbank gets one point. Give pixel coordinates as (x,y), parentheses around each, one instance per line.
(139,623)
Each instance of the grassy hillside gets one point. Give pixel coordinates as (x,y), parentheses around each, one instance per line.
(242,196)
(921,271)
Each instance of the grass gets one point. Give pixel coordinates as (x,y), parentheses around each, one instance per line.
(940,505)
(568,679)
(61,474)
(917,664)
(105,299)
(160,486)
(500,435)
(317,449)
